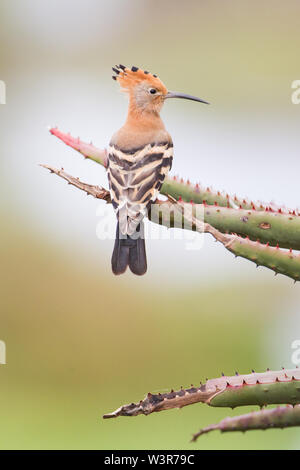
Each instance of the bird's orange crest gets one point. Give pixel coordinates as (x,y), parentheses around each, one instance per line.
(129,78)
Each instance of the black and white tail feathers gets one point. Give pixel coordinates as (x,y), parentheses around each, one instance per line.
(130,251)
(135,177)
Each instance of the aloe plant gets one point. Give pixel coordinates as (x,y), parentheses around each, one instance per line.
(277,418)
(265,388)
(261,389)
(260,233)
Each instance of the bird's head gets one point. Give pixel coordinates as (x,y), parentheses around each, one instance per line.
(147,92)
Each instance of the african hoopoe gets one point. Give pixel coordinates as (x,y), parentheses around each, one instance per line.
(139,158)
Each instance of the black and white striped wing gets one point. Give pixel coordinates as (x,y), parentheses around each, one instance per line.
(135,178)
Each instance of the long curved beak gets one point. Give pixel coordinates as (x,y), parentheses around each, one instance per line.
(174,94)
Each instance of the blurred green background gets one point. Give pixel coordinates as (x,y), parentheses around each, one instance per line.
(80,342)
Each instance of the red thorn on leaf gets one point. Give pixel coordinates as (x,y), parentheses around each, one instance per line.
(180,199)
(191,201)
(253,207)
(267,244)
(277,246)
(215,203)
(279,211)
(291,251)
(204,203)
(241,206)
(244,201)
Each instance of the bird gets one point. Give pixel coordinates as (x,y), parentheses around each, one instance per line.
(140,155)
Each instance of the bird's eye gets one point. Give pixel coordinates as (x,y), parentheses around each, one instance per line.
(152,91)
